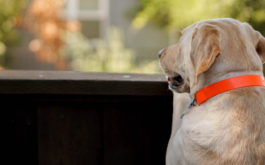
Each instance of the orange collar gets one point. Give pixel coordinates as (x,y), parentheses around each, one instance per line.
(227,85)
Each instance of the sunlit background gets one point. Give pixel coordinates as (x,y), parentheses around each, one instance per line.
(105,35)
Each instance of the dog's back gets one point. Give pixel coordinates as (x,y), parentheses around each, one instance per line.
(228,132)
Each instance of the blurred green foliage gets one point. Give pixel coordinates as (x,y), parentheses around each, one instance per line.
(177,14)
(10,10)
(100,55)
(251,11)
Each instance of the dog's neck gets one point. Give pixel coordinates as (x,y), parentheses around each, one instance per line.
(205,80)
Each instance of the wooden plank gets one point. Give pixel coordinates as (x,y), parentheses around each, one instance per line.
(20,130)
(78,76)
(69,83)
(70,134)
(105,130)
(137,131)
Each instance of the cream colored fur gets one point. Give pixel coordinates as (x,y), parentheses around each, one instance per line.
(228,129)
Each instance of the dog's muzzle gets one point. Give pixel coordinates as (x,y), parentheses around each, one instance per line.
(175,82)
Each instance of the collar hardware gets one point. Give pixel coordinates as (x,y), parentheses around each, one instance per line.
(193,103)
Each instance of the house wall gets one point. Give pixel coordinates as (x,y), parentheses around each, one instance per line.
(145,42)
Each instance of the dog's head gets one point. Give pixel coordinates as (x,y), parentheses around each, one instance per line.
(209,49)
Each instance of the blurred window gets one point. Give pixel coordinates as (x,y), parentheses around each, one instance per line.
(93,14)
(93,26)
(88,4)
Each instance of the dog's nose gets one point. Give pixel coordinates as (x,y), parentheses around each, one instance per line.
(161,52)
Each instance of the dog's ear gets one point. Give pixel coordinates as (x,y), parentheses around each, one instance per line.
(205,47)
(260,48)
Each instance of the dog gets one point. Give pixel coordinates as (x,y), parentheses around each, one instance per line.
(228,128)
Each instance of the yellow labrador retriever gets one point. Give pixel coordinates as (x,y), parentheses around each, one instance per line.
(228,128)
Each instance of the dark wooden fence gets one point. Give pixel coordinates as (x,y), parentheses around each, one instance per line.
(73,118)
